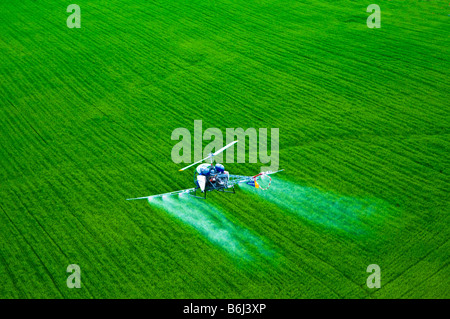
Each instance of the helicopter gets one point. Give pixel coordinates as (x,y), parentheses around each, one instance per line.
(209,177)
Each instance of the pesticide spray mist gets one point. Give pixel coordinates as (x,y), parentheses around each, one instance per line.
(213,224)
(355,216)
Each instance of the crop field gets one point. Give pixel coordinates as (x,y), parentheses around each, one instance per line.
(86,117)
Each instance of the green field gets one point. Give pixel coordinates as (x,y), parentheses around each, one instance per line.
(86,117)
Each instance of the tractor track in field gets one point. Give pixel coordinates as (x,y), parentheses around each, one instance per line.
(410,267)
(351,58)
(44,266)
(275,230)
(29,124)
(175,260)
(47,234)
(40,225)
(379,161)
(11,276)
(311,271)
(425,281)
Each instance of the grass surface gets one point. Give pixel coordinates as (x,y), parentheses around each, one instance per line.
(86,117)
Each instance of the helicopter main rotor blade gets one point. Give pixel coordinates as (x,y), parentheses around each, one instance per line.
(194,163)
(210,155)
(224,148)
